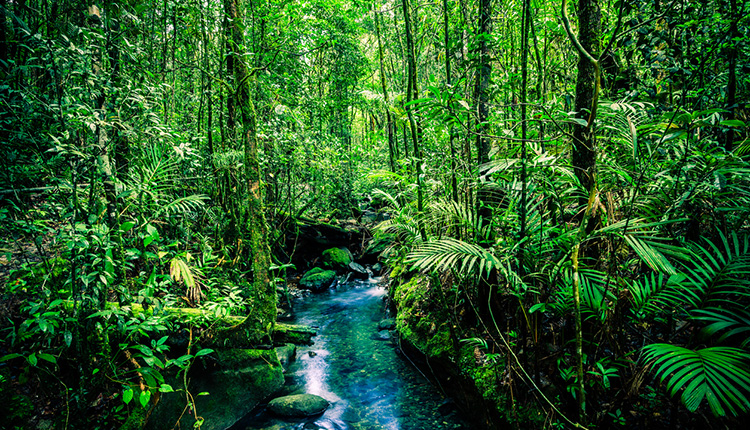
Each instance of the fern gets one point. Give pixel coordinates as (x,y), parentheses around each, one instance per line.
(719,375)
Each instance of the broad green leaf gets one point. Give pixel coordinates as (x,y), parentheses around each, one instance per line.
(144,398)
(127,395)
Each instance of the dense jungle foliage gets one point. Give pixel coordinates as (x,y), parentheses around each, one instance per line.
(566,183)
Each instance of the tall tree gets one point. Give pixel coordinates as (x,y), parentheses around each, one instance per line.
(587,88)
(388,117)
(482,85)
(412,93)
(262,293)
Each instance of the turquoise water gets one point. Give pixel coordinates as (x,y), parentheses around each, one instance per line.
(360,371)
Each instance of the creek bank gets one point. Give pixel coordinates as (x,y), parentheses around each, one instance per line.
(430,335)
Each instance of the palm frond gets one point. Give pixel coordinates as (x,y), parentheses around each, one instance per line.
(182,205)
(720,274)
(725,321)
(444,254)
(718,375)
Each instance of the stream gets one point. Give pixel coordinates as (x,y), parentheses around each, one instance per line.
(359,370)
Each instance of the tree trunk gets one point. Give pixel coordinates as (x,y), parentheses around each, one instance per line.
(262,312)
(584,143)
(389,120)
(411,94)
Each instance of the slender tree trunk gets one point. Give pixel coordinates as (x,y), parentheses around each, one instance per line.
(483,81)
(731,92)
(411,94)
(482,99)
(389,120)
(262,314)
(451,134)
(584,138)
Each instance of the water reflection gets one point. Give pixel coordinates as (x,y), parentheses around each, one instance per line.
(358,370)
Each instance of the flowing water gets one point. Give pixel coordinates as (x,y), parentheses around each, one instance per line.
(358,369)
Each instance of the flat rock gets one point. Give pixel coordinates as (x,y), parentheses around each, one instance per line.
(298,405)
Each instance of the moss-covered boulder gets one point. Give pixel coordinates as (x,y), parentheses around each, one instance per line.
(317,279)
(298,405)
(420,320)
(236,381)
(375,248)
(336,259)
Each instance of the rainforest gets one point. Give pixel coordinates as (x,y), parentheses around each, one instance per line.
(384,214)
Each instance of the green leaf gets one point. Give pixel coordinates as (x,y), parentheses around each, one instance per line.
(32,359)
(127,395)
(144,398)
(126,226)
(205,351)
(48,357)
(166,388)
(733,123)
(9,357)
(719,375)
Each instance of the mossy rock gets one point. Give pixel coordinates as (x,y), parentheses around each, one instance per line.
(292,333)
(420,320)
(236,380)
(336,259)
(317,279)
(298,405)
(376,247)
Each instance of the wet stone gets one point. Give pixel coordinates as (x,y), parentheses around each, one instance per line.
(298,405)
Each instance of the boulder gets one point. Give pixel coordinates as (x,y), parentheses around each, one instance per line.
(286,354)
(337,259)
(236,381)
(375,248)
(298,405)
(377,269)
(358,271)
(317,279)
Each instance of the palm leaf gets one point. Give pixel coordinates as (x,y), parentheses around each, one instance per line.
(719,375)
(719,275)
(725,321)
(444,254)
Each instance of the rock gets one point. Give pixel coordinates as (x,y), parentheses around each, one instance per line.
(317,279)
(358,271)
(236,381)
(337,259)
(376,247)
(298,405)
(286,354)
(369,217)
(387,324)
(377,268)
(292,333)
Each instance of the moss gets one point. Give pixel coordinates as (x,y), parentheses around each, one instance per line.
(296,334)
(236,381)
(136,420)
(420,321)
(317,279)
(487,376)
(336,259)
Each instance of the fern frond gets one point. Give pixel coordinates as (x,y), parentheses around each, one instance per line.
(719,375)
(182,205)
